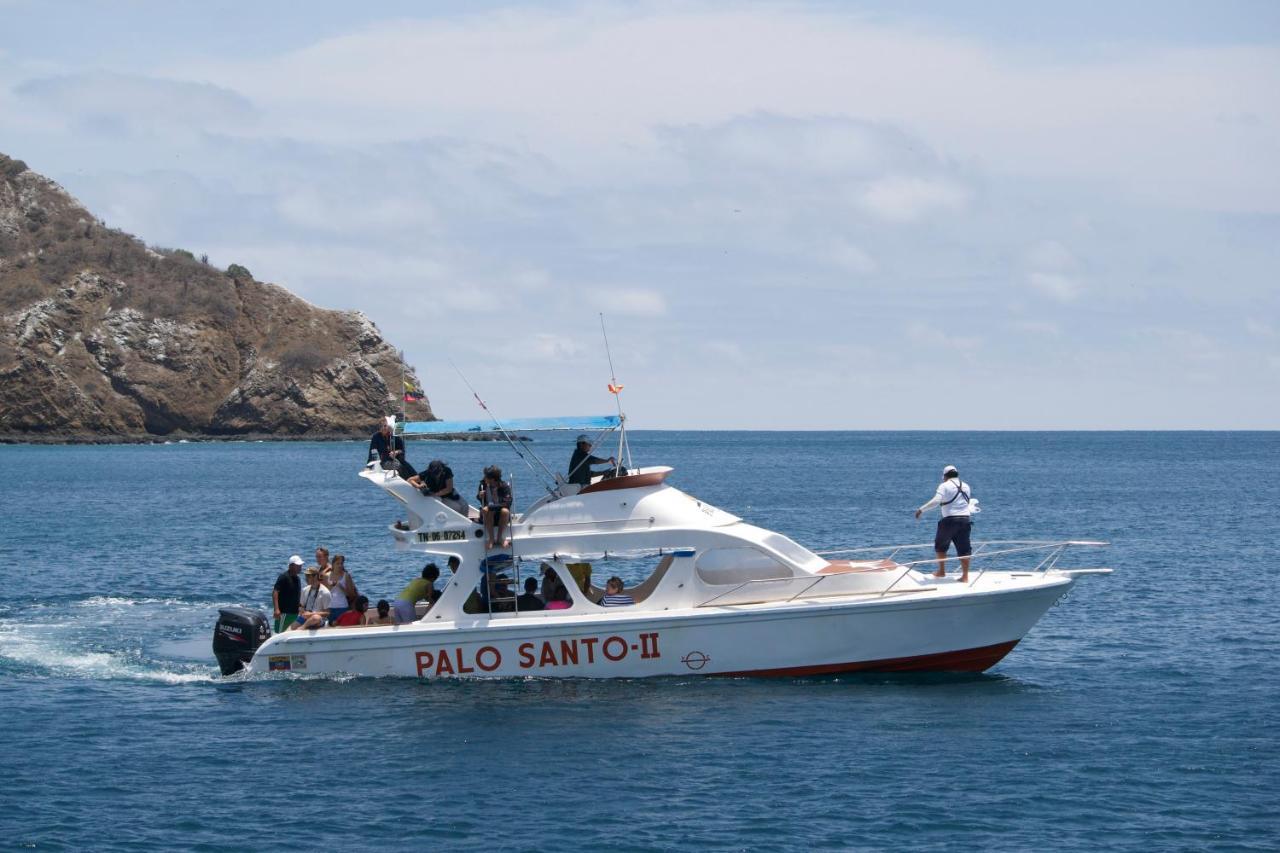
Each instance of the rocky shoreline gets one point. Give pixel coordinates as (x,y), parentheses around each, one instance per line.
(247,438)
(104,339)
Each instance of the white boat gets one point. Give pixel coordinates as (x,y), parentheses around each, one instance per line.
(721,597)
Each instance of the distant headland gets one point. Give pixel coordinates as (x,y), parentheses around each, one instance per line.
(105,339)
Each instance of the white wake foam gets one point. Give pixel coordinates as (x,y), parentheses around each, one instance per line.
(45,654)
(98,639)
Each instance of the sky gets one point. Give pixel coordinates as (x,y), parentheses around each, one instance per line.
(792,215)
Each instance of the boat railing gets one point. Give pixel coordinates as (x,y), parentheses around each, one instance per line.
(984,555)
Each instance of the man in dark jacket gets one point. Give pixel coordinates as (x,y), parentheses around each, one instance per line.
(580,464)
(390,450)
(437,482)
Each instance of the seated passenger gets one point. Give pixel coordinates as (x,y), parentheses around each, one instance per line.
(355,616)
(494,497)
(313,610)
(559,597)
(437,482)
(530,600)
(416,590)
(613,594)
(382,616)
(390,450)
(580,463)
(502,601)
(342,588)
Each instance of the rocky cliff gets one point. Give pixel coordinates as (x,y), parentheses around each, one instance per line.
(102,336)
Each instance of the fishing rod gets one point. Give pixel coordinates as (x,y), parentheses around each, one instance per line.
(503,431)
(616,390)
(404,390)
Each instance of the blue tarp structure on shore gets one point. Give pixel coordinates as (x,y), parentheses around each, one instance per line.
(586,423)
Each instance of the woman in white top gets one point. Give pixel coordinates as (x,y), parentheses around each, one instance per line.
(342,588)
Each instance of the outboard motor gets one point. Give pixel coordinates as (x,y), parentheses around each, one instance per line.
(237,636)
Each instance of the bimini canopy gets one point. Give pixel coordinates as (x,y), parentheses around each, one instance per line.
(586,423)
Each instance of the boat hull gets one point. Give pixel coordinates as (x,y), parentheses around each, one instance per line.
(958,632)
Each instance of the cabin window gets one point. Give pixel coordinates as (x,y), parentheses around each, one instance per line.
(737,565)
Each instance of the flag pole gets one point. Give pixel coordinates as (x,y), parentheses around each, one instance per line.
(616,390)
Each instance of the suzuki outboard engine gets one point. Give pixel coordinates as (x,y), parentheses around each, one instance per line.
(237,636)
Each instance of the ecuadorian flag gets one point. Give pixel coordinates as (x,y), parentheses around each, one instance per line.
(412,394)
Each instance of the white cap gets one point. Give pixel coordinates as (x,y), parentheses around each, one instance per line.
(583,438)
(949,469)
(295,560)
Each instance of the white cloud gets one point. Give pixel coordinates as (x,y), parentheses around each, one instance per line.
(1190,346)
(586,83)
(852,258)
(1050,255)
(548,347)
(729,351)
(1259,328)
(322,208)
(110,99)
(290,263)
(907,199)
(530,280)
(1060,287)
(1039,328)
(629,302)
(940,337)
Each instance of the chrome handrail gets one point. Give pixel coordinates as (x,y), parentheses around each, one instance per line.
(896,548)
(1056,549)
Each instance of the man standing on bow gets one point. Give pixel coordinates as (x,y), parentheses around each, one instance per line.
(954,498)
(580,464)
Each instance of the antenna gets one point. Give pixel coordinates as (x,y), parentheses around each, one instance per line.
(616,390)
(503,430)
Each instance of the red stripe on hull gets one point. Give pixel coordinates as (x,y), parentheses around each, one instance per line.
(965,660)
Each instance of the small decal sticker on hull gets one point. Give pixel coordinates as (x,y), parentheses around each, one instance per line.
(695,660)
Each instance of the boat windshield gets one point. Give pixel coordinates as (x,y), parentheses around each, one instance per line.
(797,554)
(738,565)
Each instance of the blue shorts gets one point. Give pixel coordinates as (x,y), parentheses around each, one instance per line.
(954,528)
(335,612)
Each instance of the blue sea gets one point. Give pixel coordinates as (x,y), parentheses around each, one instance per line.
(1142,713)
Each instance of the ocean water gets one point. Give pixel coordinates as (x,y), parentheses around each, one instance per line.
(1143,712)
